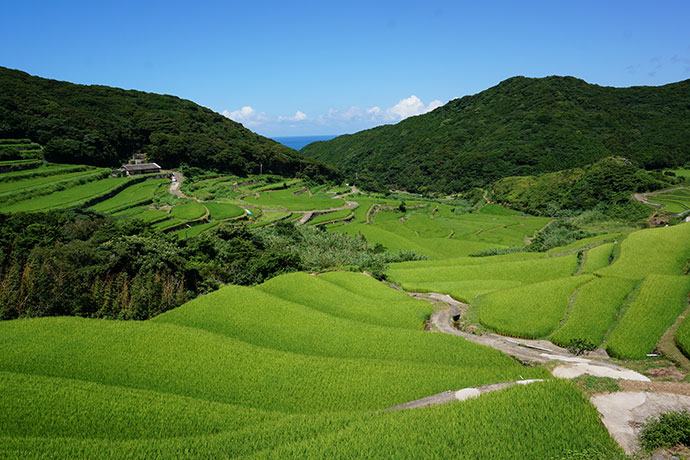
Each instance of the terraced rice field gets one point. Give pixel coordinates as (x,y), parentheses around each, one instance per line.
(191,210)
(674,201)
(653,310)
(293,200)
(195,230)
(34,183)
(70,197)
(331,216)
(529,311)
(595,308)
(440,234)
(37,170)
(221,211)
(137,194)
(249,372)
(638,292)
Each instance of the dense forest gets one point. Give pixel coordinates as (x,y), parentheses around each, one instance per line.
(522,126)
(78,263)
(104,126)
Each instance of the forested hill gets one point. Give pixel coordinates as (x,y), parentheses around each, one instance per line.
(521,126)
(104,126)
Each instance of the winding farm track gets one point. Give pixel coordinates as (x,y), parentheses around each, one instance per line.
(643,198)
(534,351)
(308,215)
(622,412)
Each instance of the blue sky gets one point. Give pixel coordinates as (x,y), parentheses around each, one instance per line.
(303,68)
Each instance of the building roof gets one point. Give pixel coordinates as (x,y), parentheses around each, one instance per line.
(141,167)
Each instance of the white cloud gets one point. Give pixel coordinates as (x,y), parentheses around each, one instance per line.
(247,116)
(374,111)
(299,116)
(406,108)
(353,113)
(350,119)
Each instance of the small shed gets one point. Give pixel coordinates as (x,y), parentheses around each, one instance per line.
(142,168)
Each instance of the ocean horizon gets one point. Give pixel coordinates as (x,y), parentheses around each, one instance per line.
(298,142)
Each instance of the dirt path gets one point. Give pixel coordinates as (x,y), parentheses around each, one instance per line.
(623,412)
(308,215)
(459,395)
(352,191)
(535,351)
(175,186)
(643,198)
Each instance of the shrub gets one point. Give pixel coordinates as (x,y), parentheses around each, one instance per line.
(667,430)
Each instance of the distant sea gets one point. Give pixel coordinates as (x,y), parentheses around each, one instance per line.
(297,142)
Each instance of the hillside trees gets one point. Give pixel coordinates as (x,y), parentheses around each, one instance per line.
(103,126)
(522,126)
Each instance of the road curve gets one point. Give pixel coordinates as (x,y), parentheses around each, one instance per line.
(536,351)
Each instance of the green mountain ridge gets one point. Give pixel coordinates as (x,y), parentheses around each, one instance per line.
(522,126)
(104,126)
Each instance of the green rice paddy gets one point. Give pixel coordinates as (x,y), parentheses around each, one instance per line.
(554,296)
(191,210)
(294,199)
(308,380)
(143,192)
(70,197)
(436,232)
(303,365)
(221,211)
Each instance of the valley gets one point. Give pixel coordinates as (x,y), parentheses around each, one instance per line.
(245,301)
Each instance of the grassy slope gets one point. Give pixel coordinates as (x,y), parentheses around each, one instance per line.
(131,196)
(74,196)
(527,294)
(244,372)
(440,235)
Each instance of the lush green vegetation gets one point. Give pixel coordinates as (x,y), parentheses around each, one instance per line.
(595,308)
(529,311)
(85,265)
(606,185)
(208,380)
(191,210)
(522,126)
(115,123)
(669,429)
(656,306)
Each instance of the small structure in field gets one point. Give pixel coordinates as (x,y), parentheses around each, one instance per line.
(138,165)
(143,168)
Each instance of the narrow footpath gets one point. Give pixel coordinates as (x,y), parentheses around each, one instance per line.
(622,412)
